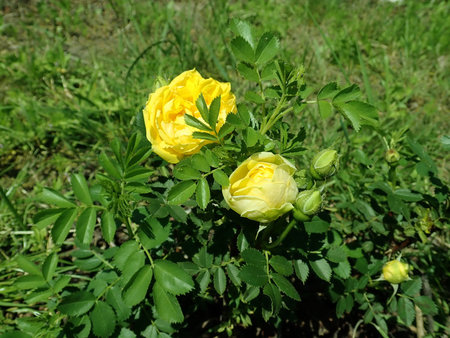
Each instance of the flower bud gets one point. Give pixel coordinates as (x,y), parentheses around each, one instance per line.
(302,180)
(396,272)
(307,204)
(324,164)
(392,156)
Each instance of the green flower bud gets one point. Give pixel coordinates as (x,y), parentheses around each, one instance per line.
(307,204)
(392,156)
(396,272)
(302,180)
(324,164)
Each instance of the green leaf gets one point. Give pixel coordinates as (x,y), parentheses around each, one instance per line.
(242,242)
(347,94)
(46,217)
(248,72)
(103,320)
(316,226)
(343,269)
(407,195)
(86,224)
(30,282)
(110,167)
(301,270)
(172,278)
(325,109)
(242,50)
(285,286)
(134,262)
(27,265)
(137,174)
(137,287)
(251,293)
(202,193)
(204,136)
(254,275)
(51,196)
(140,156)
(125,251)
(114,298)
(203,258)
(327,91)
(412,287)
(340,307)
(268,47)
(251,137)
(364,113)
(406,311)
(243,29)
(77,303)
(194,122)
(254,97)
(167,305)
(427,305)
(203,279)
(220,281)
(126,333)
(63,224)
(273,293)
(181,192)
(199,162)
(49,266)
(281,265)
(81,189)
(202,108)
(214,110)
(253,257)
(322,269)
(186,172)
(233,274)
(226,129)
(337,254)
(108,226)
(221,178)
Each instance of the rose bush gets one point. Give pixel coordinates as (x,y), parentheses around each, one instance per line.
(262,188)
(166,129)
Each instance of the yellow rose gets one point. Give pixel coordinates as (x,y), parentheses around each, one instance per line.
(164,112)
(262,187)
(395,272)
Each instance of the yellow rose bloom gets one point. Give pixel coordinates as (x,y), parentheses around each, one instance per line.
(170,136)
(395,272)
(262,187)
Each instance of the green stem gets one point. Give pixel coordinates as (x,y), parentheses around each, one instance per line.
(282,236)
(266,126)
(11,208)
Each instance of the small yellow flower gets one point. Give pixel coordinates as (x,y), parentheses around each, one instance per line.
(396,272)
(166,129)
(262,187)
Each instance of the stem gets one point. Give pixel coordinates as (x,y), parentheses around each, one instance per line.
(282,236)
(270,122)
(136,238)
(263,105)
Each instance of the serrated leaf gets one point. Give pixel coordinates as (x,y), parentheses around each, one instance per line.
(134,262)
(185,172)
(347,94)
(273,293)
(103,320)
(204,136)
(203,258)
(243,29)
(281,265)
(340,307)
(325,109)
(316,226)
(77,303)
(220,281)
(233,274)
(51,196)
(328,91)
(63,224)
(80,188)
(406,311)
(407,195)
(251,136)
(242,50)
(172,278)
(181,192)
(49,266)
(285,286)
(221,178)
(27,265)
(137,287)
(199,162)
(251,293)
(167,305)
(268,47)
(253,257)
(46,217)
(108,226)
(110,167)
(214,110)
(412,287)
(137,174)
(202,107)
(124,252)
(196,123)
(254,275)
(242,242)
(86,224)
(248,72)
(30,282)
(203,279)
(322,269)
(126,333)
(114,298)
(202,193)
(343,269)
(254,97)
(301,270)
(226,129)
(360,112)
(426,304)
(336,254)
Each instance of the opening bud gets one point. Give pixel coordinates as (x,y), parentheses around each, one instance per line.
(396,272)
(324,164)
(307,204)
(392,156)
